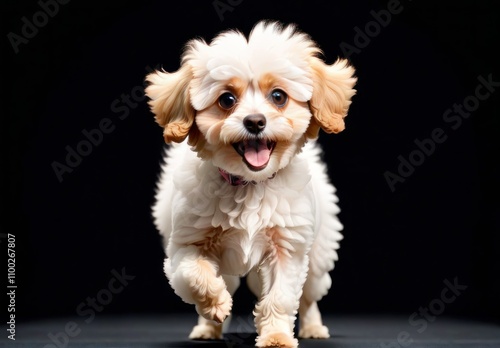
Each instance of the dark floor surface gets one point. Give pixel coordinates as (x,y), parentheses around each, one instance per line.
(172,331)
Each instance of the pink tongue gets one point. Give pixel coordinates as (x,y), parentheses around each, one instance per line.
(257,153)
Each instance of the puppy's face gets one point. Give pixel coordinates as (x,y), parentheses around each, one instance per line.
(249,105)
(252,127)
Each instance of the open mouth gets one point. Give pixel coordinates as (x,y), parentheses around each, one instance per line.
(255,152)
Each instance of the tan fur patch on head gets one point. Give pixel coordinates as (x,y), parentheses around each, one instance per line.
(267,82)
(236,86)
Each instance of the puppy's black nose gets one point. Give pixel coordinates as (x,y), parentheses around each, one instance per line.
(255,123)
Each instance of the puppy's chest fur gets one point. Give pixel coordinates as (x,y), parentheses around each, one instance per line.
(240,225)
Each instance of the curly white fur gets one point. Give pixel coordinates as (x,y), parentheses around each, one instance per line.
(279,228)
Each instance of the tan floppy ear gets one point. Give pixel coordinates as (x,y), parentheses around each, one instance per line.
(332,92)
(169,101)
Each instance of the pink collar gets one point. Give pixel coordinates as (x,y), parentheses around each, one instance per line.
(236,180)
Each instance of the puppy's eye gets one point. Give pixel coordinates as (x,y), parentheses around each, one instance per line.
(227,101)
(279,98)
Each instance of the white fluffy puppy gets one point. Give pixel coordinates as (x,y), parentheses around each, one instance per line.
(245,192)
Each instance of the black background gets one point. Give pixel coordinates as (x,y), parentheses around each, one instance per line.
(442,222)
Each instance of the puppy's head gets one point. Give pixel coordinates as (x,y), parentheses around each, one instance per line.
(249,105)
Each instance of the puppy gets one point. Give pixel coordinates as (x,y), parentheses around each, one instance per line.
(243,191)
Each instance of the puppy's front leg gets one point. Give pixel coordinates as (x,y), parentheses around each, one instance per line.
(282,274)
(194,277)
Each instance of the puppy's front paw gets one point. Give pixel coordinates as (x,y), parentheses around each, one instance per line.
(206,332)
(275,340)
(314,331)
(216,308)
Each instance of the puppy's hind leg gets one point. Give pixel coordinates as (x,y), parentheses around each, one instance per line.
(322,257)
(311,324)
(315,287)
(208,329)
